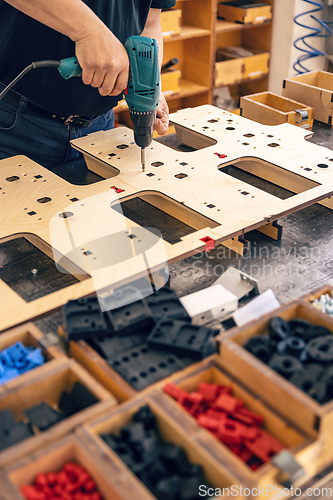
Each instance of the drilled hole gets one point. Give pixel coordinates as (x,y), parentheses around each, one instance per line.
(322,165)
(123,146)
(230,128)
(212,121)
(181,176)
(150,175)
(273,145)
(46,199)
(157,164)
(13,178)
(249,135)
(66,215)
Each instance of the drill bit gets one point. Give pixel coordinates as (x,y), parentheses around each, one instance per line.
(143,159)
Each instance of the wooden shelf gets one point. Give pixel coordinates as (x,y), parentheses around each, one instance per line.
(188,88)
(223,26)
(188,32)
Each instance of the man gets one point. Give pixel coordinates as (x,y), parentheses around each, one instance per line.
(43,112)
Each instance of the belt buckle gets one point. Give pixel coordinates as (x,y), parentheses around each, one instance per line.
(69,119)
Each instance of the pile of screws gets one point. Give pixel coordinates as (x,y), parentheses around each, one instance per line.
(324,303)
(299,351)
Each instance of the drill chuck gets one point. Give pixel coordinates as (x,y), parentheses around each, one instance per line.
(143,123)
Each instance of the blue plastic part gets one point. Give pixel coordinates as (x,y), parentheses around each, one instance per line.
(143,90)
(69,67)
(18,359)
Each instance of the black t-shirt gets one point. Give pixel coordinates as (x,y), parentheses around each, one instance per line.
(24,40)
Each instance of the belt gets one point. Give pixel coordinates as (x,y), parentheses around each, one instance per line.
(13,99)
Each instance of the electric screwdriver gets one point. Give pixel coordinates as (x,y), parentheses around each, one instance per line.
(143,88)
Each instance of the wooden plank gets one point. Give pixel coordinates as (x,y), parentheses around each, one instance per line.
(220,206)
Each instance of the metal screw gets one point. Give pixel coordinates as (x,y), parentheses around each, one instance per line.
(34,272)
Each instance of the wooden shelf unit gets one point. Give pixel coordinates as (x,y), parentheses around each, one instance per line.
(202,33)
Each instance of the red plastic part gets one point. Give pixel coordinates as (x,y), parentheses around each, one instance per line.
(174,391)
(209,392)
(228,403)
(230,432)
(71,483)
(220,155)
(117,190)
(210,243)
(210,423)
(257,419)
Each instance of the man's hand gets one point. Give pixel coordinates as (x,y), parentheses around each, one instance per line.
(103,60)
(162,120)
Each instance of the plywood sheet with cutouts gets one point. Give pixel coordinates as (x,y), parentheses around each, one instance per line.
(189,186)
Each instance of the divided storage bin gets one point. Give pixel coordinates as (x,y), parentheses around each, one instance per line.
(305,450)
(237,11)
(53,458)
(171,430)
(312,418)
(30,335)
(48,387)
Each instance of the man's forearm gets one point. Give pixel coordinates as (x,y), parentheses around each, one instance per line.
(153,30)
(69,17)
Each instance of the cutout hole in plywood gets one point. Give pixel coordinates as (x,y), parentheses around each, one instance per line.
(45,199)
(123,146)
(249,135)
(157,164)
(212,121)
(267,177)
(13,178)
(273,145)
(172,219)
(322,165)
(181,176)
(230,128)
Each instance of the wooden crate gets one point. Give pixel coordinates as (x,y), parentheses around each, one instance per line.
(170,82)
(228,69)
(257,65)
(171,22)
(272,109)
(53,458)
(30,335)
(312,418)
(305,449)
(48,387)
(245,15)
(314,89)
(180,432)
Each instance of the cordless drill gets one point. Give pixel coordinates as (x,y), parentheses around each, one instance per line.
(143,88)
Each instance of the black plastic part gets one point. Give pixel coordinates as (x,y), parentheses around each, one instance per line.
(321,348)
(142,366)
(43,416)
(12,432)
(163,467)
(285,365)
(132,318)
(300,328)
(183,338)
(168,488)
(110,346)
(79,399)
(310,380)
(165,304)
(278,329)
(260,346)
(84,319)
